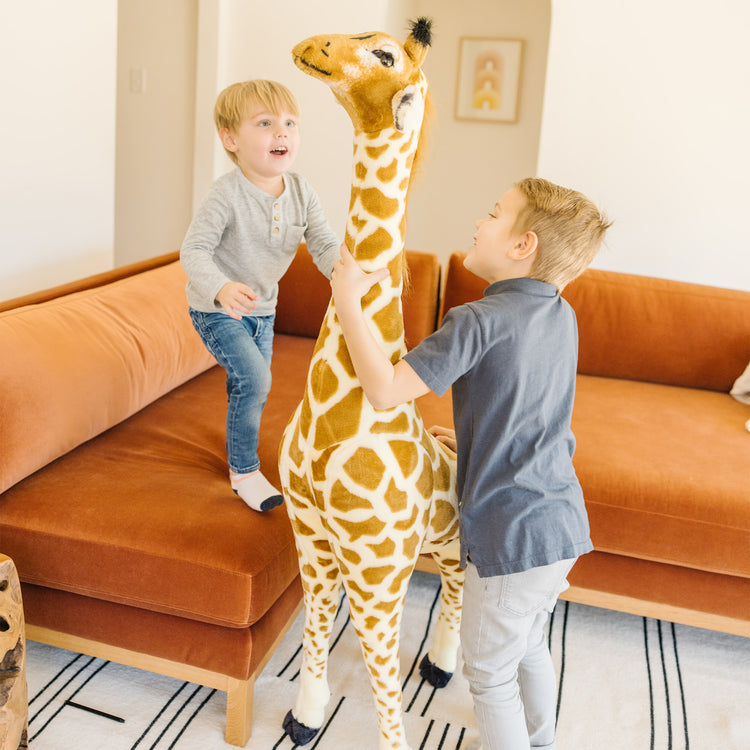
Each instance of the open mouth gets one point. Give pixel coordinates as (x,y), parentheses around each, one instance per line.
(279,150)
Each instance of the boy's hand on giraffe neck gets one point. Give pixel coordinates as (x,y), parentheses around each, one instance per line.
(349,283)
(385,384)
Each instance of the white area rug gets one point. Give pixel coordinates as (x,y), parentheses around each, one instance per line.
(626,683)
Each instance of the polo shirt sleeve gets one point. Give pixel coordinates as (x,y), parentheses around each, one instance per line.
(450,352)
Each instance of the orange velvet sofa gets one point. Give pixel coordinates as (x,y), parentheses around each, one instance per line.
(116,509)
(115,503)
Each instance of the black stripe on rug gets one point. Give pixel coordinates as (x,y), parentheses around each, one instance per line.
(54,679)
(69,683)
(681,688)
(162,712)
(563,638)
(192,717)
(665,687)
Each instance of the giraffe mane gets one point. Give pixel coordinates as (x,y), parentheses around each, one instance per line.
(416,170)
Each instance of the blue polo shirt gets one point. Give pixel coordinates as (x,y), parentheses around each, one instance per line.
(511,358)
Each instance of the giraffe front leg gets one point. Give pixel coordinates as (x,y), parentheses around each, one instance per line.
(321,582)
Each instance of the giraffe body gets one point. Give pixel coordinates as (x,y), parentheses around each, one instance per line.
(367,489)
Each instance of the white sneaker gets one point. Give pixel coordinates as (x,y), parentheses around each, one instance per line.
(256,490)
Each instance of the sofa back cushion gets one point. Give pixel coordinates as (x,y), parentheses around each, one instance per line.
(74,366)
(661,331)
(644,328)
(304,294)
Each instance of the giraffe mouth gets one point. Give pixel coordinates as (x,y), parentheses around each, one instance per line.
(302,61)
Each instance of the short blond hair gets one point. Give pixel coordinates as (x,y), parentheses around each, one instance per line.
(233,103)
(569,226)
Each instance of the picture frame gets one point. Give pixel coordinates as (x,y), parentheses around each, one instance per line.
(489,79)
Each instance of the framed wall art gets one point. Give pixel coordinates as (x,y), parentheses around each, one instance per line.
(489,79)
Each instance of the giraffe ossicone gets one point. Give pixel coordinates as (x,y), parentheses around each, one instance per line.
(368,489)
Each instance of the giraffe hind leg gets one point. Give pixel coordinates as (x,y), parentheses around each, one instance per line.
(439,663)
(433,674)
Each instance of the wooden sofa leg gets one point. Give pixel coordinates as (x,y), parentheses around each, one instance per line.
(239,711)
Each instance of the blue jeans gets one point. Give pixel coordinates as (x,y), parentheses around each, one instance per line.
(243,348)
(506,659)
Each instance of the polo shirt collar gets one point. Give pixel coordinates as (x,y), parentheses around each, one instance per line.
(524,285)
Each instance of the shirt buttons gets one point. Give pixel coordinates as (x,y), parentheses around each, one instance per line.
(275,230)
(276,217)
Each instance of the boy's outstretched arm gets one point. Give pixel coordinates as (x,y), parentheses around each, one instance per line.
(384,383)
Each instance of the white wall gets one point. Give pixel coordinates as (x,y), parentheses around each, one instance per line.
(471,164)
(647,111)
(57,141)
(156,41)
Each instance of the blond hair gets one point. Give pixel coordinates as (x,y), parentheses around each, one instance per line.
(569,226)
(233,103)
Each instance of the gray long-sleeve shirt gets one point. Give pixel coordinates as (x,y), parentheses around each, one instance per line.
(241,233)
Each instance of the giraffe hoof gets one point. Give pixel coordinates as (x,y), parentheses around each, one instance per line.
(298,733)
(434,675)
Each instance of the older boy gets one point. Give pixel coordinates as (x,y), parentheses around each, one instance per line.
(511,361)
(238,246)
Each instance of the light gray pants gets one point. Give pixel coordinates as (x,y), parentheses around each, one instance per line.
(506,658)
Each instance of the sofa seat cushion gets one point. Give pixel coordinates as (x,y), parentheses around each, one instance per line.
(665,472)
(144,515)
(236,652)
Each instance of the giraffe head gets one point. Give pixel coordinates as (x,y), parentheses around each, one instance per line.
(377,79)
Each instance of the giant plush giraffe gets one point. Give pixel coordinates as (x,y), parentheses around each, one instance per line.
(366,489)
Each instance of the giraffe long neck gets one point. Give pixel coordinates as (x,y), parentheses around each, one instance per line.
(377,223)
(334,408)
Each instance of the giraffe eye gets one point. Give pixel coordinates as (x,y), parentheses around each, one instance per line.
(386,58)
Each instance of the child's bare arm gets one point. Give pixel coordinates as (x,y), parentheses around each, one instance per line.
(384,383)
(236,299)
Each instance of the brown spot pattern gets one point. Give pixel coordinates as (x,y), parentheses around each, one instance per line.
(374,245)
(406,454)
(378,205)
(395,426)
(340,422)
(323,381)
(386,174)
(365,468)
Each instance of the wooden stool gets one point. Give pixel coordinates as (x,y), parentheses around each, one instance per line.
(14,707)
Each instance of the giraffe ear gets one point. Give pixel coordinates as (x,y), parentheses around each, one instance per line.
(419,40)
(408,108)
